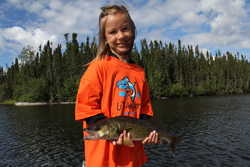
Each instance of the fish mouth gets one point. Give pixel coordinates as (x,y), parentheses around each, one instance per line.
(90,138)
(91,135)
(94,135)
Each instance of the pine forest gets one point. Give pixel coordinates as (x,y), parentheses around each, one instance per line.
(173,70)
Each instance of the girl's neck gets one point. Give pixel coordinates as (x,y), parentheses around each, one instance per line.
(123,58)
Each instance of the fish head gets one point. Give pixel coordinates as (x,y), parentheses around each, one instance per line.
(103,131)
(107,131)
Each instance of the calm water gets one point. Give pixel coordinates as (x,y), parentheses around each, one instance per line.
(215,130)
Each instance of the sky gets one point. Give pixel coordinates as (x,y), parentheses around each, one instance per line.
(212,24)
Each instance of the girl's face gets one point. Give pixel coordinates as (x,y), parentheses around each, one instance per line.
(119,34)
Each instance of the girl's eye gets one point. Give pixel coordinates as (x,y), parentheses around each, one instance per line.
(125,29)
(112,32)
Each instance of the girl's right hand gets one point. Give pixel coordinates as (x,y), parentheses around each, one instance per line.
(124,139)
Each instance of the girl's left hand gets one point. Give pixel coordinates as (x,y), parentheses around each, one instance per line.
(153,138)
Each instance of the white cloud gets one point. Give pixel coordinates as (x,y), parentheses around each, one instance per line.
(217,41)
(30,5)
(176,12)
(154,34)
(75,17)
(21,37)
(59,18)
(226,21)
(223,17)
(63,16)
(228,26)
(1,43)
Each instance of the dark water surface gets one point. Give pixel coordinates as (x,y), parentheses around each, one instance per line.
(215,130)
(44,136)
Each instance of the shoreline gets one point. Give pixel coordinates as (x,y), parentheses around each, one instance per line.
(39,103)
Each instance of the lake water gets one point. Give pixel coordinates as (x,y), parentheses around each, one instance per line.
(215,130)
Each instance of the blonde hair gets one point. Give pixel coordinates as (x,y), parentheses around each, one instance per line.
(103,48)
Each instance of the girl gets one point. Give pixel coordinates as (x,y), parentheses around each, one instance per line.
(114,86)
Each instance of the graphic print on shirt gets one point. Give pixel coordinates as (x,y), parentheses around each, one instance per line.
(128,91)
(128,88)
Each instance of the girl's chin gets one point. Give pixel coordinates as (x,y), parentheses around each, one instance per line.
(123,51)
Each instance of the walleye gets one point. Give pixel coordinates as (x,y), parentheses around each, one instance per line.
(110,129)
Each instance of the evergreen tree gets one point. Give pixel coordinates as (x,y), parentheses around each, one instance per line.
(172,70)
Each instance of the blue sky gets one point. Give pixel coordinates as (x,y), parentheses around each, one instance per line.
(211,24)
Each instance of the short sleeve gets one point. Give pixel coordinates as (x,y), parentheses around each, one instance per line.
(88,100)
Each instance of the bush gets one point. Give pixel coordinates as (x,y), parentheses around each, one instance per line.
(178,90)
(32,91)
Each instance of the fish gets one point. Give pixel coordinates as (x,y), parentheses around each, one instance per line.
(111,128)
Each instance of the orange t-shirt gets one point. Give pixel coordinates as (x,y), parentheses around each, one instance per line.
(113,88)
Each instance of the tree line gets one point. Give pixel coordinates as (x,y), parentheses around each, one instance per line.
(173,70)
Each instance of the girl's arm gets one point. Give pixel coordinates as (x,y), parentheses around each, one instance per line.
(94,119)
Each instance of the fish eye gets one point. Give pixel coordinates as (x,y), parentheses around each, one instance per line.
(95,128)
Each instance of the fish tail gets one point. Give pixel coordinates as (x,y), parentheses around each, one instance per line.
(174,141)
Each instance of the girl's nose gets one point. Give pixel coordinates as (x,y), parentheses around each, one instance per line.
(120,35)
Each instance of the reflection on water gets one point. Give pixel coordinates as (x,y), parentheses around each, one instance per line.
(39,136)
(215,132)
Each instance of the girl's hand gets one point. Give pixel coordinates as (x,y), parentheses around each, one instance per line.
(153,138)
(124,139)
